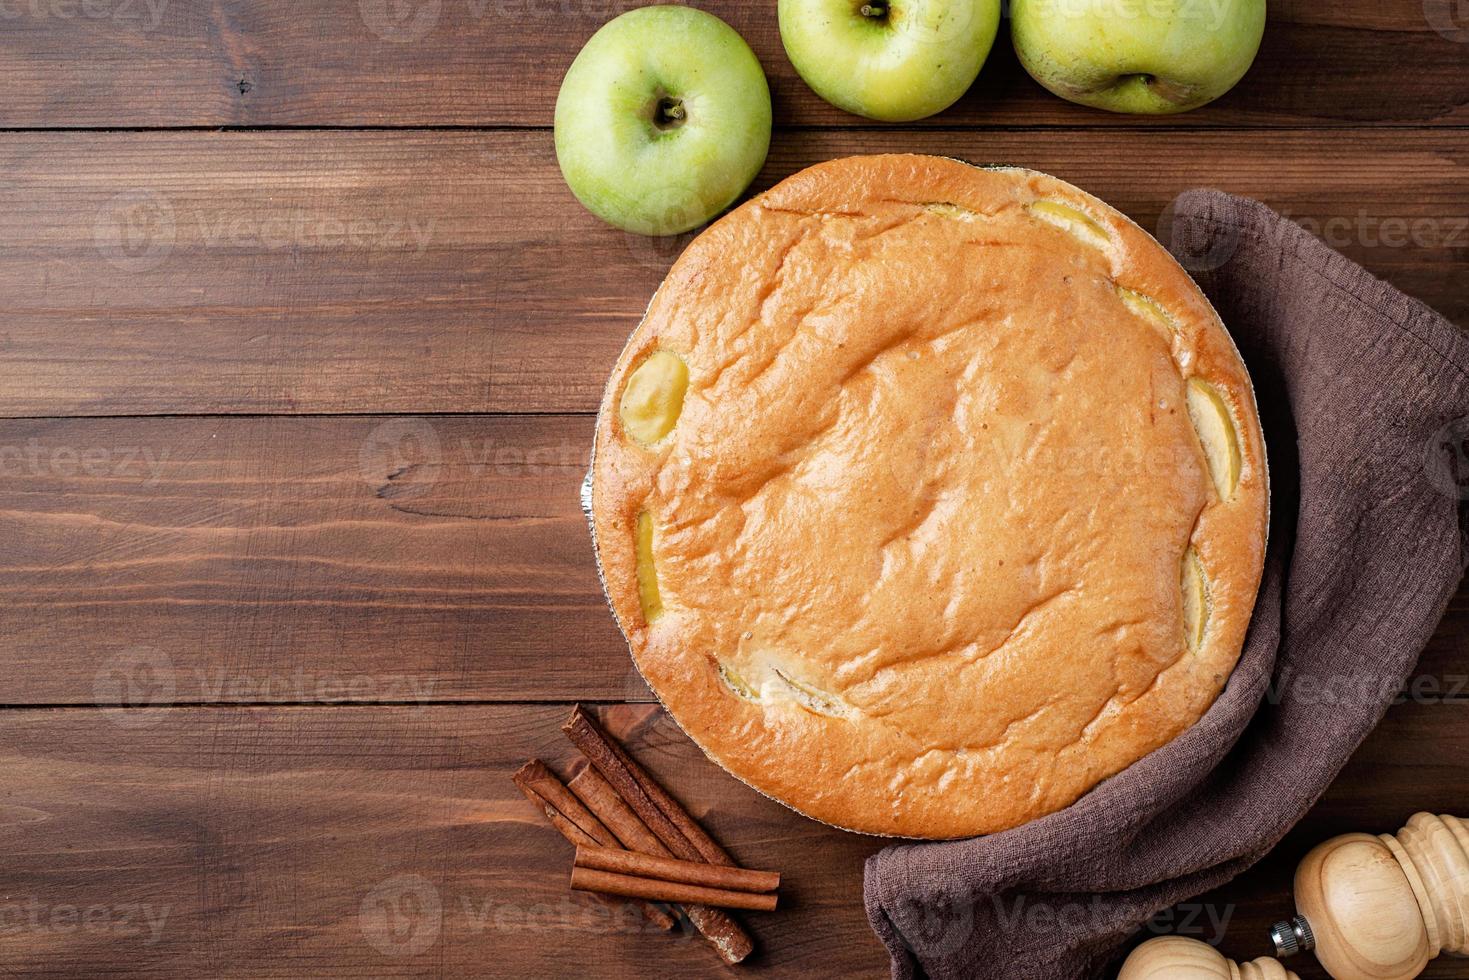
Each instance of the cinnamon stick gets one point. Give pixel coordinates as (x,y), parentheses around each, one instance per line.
(576,823)
(610,883)
(535,776)
(664,815)
(599,796)
(639,865)
(727,936)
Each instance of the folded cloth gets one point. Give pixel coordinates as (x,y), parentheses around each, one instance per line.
(1364,396)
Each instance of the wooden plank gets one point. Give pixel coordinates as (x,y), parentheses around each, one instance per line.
(453,272)
(276,842)
(150,63)
(237,559)
(359,842)
(359,559)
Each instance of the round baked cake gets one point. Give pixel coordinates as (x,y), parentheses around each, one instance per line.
(928,496)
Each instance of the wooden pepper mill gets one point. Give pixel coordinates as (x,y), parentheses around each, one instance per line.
(1177,958)
(1379,908)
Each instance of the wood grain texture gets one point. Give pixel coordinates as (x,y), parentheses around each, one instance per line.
(362,573)
(366,842)
(292,273)
(298,559)
(271,559)
(277,842)
(152,63)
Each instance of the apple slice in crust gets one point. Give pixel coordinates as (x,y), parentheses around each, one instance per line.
(648,595)
(653,398)
(1195,600)
(811,698)
(737,684)
(956,211)
(1145,307)
(1074,220)
(1215,427)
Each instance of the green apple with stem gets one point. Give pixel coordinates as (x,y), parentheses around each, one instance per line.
(662,120)
(893,60)
(1140,56)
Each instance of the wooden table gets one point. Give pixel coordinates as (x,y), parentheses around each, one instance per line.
(302,336)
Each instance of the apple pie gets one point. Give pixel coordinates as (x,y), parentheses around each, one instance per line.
(928,496)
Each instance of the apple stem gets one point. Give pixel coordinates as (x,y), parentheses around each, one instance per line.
(669,112)
(874,10)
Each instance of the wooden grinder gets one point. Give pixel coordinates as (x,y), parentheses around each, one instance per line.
(1177,958)
(1379,908)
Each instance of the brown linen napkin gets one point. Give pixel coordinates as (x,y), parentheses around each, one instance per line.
(1364,396)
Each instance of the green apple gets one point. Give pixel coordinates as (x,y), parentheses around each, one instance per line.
(662,120)
(894,60)
(1143,56)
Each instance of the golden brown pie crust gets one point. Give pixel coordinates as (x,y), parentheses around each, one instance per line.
(922,526)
